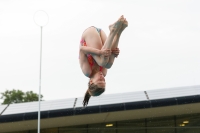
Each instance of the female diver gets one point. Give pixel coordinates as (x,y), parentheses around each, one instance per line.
(97,54)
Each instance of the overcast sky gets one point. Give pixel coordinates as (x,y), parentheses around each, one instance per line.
(159,49)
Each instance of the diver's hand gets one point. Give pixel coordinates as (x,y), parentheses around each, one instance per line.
(115,52)
(105,52)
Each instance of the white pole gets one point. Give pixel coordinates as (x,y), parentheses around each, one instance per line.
(41,19)
(40,81)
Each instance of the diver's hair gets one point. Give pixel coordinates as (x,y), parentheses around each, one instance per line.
(94,91)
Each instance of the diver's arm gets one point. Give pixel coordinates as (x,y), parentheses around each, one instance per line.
(90,50)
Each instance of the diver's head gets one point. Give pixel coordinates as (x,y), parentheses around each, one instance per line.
(96,87)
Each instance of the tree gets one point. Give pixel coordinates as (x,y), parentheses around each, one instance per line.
(18,96)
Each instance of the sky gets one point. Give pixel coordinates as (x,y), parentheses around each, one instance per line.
(159,49)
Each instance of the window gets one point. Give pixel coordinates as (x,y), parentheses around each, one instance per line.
(161,125)
(130,126)
(73,129)
(188,123)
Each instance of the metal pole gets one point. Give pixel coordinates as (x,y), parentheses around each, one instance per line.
(40,82)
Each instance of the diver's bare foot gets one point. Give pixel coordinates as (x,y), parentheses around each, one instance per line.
(117,25)
(124,25)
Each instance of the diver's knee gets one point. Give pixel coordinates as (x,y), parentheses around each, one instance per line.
(109,65)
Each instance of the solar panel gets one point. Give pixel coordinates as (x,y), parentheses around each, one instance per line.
(173,92)
(104,99)
(33,106)
(2,107)
(113,98)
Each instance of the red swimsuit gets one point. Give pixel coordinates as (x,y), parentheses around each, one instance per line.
(89,56)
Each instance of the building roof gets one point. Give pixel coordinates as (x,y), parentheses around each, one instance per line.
(2,108)
(110,107)
(109,99)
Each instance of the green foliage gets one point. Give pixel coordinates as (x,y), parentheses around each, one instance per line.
(18,96)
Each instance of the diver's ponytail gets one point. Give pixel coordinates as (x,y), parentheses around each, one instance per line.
(86,98)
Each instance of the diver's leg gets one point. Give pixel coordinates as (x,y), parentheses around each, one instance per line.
(114,29)
(92,40)
(115,44)
(107,44)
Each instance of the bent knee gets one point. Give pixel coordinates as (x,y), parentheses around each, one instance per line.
(109,65)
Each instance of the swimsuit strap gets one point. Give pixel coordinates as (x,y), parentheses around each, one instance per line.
(83,43)
(90,60)
(101,68)
(98,30)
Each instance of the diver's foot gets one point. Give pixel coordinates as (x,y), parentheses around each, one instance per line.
(124,25)
(117,25)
